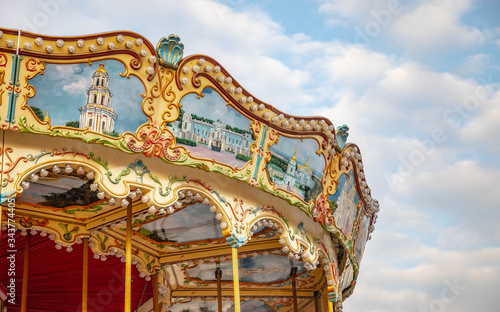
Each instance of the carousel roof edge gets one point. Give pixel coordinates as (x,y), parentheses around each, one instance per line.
(169,52)
(167,77)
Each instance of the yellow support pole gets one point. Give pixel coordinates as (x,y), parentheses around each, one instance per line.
(24,299)
(85,277)
(330,306)
(128,262)
(236,281)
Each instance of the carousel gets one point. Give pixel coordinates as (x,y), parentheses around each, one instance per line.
(136,179)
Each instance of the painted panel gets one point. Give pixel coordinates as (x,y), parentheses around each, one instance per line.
(262,269)
(296,167)
(345,203)
(210,129)
(89,95)
(347,276)
(361,238)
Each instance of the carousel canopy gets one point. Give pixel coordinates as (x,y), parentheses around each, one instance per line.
(124,153)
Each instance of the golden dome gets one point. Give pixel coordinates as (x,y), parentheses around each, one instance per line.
(293,157)
(47,118)
(101,69)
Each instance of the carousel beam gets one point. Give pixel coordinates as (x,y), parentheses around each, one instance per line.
(316,301)
(45,214)
(137,243)
(186,255)
(306,304)
(156,306)
(236,280)
(115,214)
(24,300)
(128,260)
(264,292)
(218,276)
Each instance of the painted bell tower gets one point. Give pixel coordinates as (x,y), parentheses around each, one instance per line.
(97,114)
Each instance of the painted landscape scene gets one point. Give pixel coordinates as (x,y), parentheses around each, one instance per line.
(209,128)
(345,204)
(91,97)
(361,238)
(295,167)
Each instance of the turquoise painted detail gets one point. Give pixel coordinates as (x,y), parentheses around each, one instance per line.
(262,139)
(236,242)
(300,229)
(341,134)
(256,166)
(6,196)
(14,82)
(169,51)
(222,199)
(332,297)
(140,169)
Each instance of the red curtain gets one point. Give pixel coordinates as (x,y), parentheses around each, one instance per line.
(55,278)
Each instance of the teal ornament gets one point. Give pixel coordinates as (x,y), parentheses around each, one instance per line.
(341,133)
(169,51)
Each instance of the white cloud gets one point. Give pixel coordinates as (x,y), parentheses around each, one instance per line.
(463,177)
(473,64)
(459,197)
(482,113)
(376,93)
(77,87)
(435,26)
(355,9)
(405,275)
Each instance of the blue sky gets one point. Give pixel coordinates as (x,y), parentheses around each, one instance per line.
(419,89)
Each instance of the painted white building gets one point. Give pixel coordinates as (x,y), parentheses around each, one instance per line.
(97,114)
(295,173)
(216,136)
